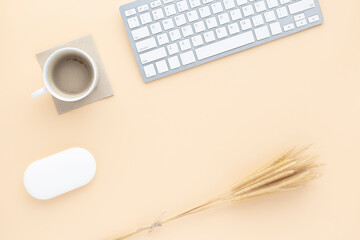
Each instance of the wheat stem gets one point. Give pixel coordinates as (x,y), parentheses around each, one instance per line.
(289,171)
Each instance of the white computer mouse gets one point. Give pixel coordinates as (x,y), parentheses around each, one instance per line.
(59,173)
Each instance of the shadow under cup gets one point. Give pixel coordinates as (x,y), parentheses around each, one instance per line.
(71,75)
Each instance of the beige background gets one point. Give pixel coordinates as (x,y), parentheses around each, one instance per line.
(177,141)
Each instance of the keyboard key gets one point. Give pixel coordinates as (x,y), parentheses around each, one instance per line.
(143,8)
(262,33)
(285,1)
(194,3)
(225,45)
(301,23)
(199,26)
(187,31)
(145,44)
(175,35)
(149,70)
(258,20)
(241,2)
(162,38)
(140,33)
(155,28)
(229,4)
(155,4)
(260,6)
(153,55)
(282,12)
(197,40)
(168,24)
(187,57)
(216,7)
(301,6)
(270,16)
(185,44)
(221,32)
(172,48)
(158,14)
(235,14)
(168,1)
(180,20)
(133,22)
(130,12)
(245,24)
(170,10)
(299,17)
(223,18)
(211,22)
(162,66)
(207,1)
(204,11)
(289,27)
(145,18)
(275,28)
(209,36)
(248,10)
(182,5)
(233,28)
(192,16)
(314,18)
(174,62)
(272,3)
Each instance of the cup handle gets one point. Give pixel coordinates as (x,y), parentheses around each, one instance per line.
(39,92)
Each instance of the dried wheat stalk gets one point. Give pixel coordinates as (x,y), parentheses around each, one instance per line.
(290,170)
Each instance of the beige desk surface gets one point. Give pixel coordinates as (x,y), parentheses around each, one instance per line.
(176,142)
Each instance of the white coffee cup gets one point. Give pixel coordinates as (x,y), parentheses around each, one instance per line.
(69,74)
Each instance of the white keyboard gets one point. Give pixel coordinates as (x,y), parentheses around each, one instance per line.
(168,36)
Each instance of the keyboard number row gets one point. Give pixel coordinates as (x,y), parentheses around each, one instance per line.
(217,7)
(228,4)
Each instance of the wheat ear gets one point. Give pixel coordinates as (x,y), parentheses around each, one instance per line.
(289,171)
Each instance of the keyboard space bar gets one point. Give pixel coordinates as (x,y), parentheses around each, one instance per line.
(225,45)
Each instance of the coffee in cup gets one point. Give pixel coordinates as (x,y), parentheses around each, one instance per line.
(69,74)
